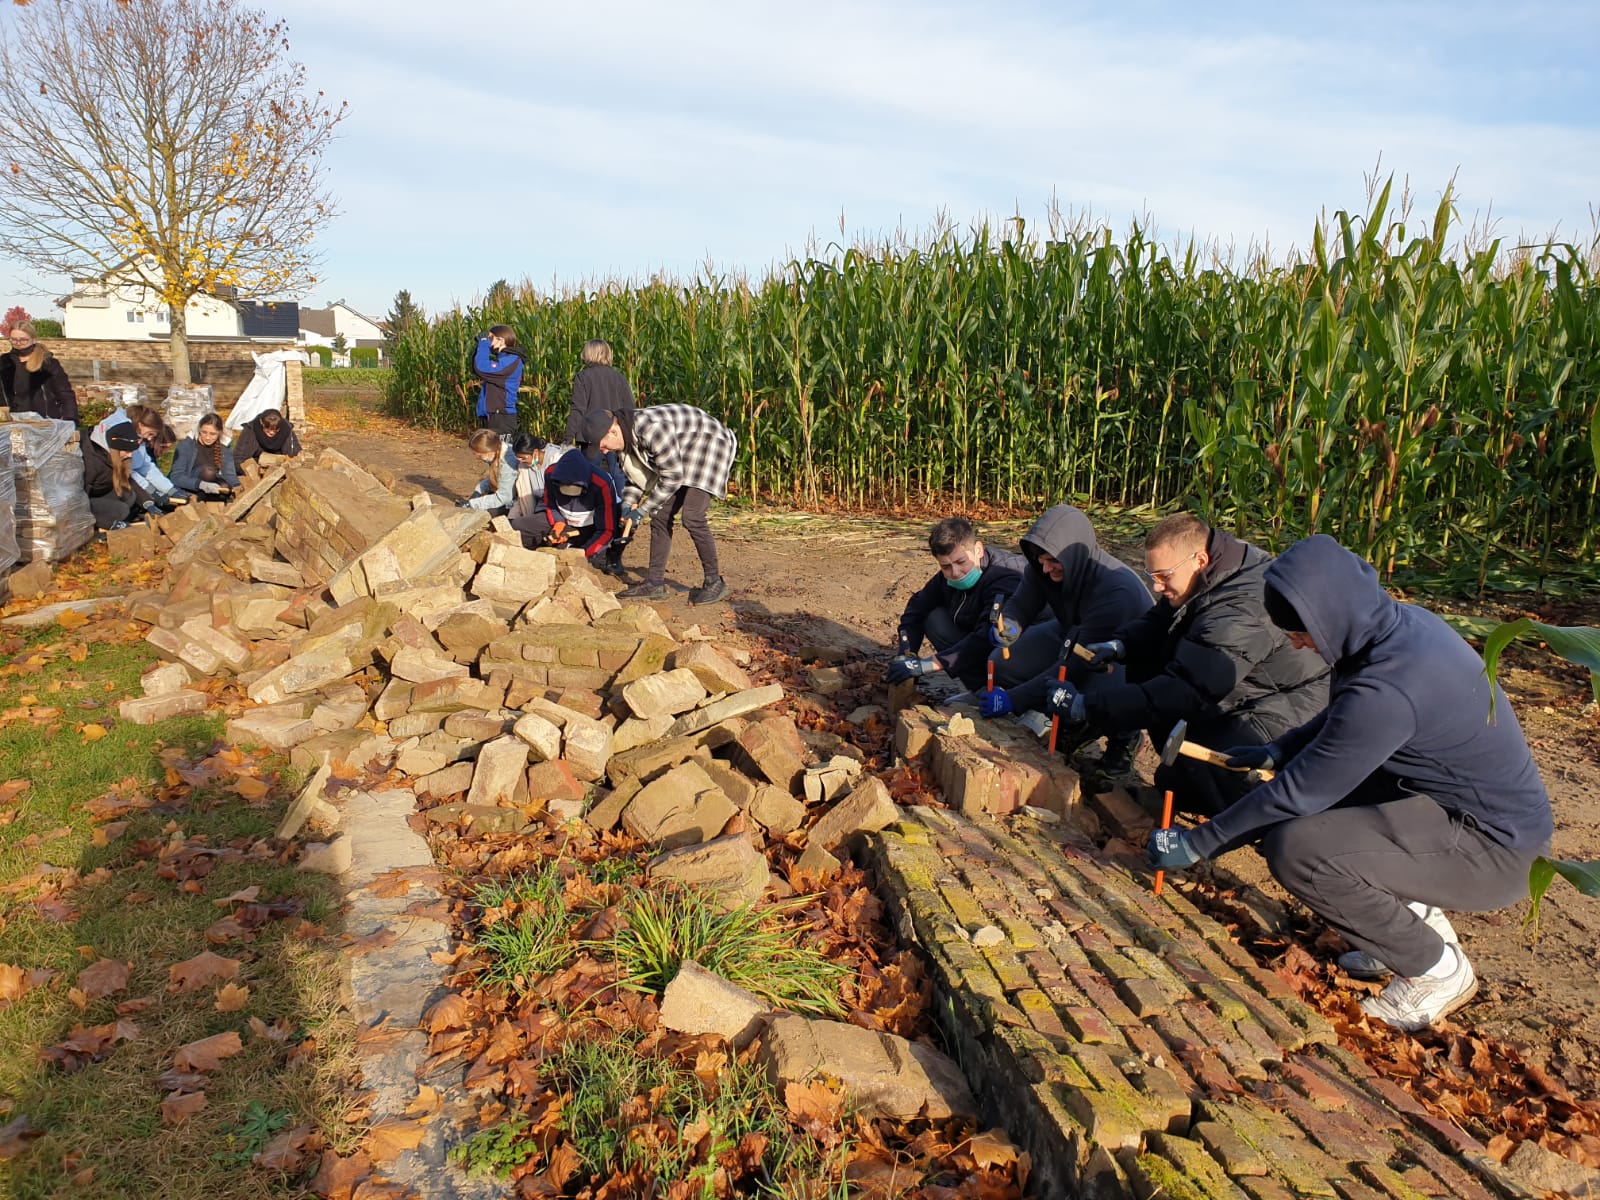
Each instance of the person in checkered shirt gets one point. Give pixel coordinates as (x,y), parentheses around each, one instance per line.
(679,461)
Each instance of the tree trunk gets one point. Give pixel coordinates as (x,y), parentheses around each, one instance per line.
(180,344)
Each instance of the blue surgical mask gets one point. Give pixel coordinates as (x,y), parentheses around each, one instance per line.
(967,581)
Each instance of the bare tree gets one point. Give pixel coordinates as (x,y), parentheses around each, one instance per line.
(165,142)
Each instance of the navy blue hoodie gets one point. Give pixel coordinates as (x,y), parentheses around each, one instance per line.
(1408,700)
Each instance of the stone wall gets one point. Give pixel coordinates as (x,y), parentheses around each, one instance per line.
(227,366)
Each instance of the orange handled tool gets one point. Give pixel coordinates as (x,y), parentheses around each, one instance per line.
(1166,823)
(990,665)
(999,629)
(1055,721)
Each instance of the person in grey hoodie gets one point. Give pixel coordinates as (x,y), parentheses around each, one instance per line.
(1412,792)
(1072,592)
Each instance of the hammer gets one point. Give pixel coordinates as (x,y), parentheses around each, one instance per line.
(1178,745)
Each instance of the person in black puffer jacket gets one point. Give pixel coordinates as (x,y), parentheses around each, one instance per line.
(954,609)
(33,380)
(600,386)
(1206,653)
(1072,591)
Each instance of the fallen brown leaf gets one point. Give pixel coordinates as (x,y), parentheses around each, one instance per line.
(179,1107)
(12,788)
(103,978)
(992,1148)
(15,1136)
(202,970)
(231,997)
(207,1054)
(392,1137)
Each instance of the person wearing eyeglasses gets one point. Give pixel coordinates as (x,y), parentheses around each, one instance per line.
(1071,591)
(1206,652)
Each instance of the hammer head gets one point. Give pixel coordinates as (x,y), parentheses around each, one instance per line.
(1175,739)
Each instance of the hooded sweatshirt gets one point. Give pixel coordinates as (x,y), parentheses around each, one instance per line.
(1215,656)
(580,493)
(971,609)
(1409,701)
(500,373)
(254,440)
(1097,595)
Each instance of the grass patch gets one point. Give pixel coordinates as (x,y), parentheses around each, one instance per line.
(532,935)
(751,947)
(338,378)
(140,891)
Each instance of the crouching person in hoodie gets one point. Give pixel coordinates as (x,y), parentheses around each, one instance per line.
(1414,791)
(580,496)
(114,497)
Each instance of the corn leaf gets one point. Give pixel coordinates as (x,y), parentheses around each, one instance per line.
(1576,643)
(1585,876)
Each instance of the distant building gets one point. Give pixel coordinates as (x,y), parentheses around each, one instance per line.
(134,311)
(320,326)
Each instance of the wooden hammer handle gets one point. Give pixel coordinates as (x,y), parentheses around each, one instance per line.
(1204,753)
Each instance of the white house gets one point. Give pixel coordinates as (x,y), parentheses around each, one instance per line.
(134,311)
(319,327)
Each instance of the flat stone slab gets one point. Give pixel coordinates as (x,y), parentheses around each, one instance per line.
(47,614)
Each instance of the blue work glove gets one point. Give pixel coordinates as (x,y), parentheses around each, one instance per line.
(151,507)
(634,515)
(909,666)
(1169,850)
(1106,653)
(1254,757)
(994,704)
(1004,632)
(1066,702)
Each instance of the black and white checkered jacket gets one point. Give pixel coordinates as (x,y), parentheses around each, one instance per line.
(682,446)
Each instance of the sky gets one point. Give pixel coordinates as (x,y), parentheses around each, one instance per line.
(573,143)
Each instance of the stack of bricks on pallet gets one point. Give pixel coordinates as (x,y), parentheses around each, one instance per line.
(1133,1047)
(326,518)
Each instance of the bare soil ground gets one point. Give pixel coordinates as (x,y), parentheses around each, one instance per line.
(840,581)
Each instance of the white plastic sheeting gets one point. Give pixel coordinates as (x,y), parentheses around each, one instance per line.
(267,390)
(51,510)
(186,405)
(9,553)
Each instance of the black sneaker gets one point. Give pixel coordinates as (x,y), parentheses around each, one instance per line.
(644,590)
(710,592)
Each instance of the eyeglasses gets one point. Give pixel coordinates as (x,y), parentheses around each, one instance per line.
(1162,576)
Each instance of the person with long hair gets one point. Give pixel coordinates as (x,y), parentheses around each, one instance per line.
(497,490)
(498,362)
(33,380)
(269,433)
(202,465)
(150,431)
(114,496)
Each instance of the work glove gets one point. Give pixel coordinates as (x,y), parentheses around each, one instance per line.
(1169,850)
(1004,632)
(996,703)
(1254,757)
(1106,653)
(151,507)
(633,516)
(1066,702)
(209,488)
(467,503)
(909,666)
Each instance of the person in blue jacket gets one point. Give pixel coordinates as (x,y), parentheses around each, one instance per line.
(1412,792)
(498,364)
(202,466)
(955,608)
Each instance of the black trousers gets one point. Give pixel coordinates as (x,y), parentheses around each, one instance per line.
(111,508)
(1198,787)
(694,504)
(942,632)
(501,423)
(1357,865)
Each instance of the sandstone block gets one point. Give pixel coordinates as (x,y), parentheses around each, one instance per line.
(457,777)
(274,731)
(725,709)
(447,695)
(165,679)
(499,778)
(826,681)
(586,744)
(476,726)
(885,1075)
(147,710)
(553,780)
(542,735)
(305,804)
(270,570)
(713,668)
(669,692)
(730,868)
(635,732)
(422,666)
(331,858)
(775,810)
(464,634)
(867,809)
(816,865)
(735,784)
(698,1001)
(770,754)
(136,543)
(606,811)
(305,672)
(681,807)
(333,715)
(226,648)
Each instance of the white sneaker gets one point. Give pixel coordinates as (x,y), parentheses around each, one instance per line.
(1358,964)
(1413,1004)
(1035,723)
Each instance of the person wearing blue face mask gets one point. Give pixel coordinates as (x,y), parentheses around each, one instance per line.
(952,610)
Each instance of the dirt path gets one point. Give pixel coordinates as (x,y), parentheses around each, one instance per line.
(841,581)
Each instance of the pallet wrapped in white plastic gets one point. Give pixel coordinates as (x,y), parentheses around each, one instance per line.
(186,405)
(9,553)
(51,509)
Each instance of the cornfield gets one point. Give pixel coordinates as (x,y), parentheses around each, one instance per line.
(1433,409)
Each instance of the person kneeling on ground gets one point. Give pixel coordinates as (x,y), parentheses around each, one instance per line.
(157,493)
(1413,791)
(114,497)
(269,433)
(1206,653)
(580,498)
(202,466)
(679,460)
(954,609)
(1072,592)
(497,490)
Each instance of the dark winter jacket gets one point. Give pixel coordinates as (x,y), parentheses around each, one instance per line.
(1097,594)
(972,610)
(501,376)
(253,441)
(601,387)
(193,464)
(593,508)
(36,382)
(1409,702)
(98,479)
(1217,655)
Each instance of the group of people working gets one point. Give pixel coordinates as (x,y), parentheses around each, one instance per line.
(122,454)
(1368,757)
(619,467)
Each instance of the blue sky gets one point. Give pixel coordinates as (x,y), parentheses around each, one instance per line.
(571,143)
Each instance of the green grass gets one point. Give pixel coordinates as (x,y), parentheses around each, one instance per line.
(537,939)
(660,930)
(343,377)
(104,1118)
